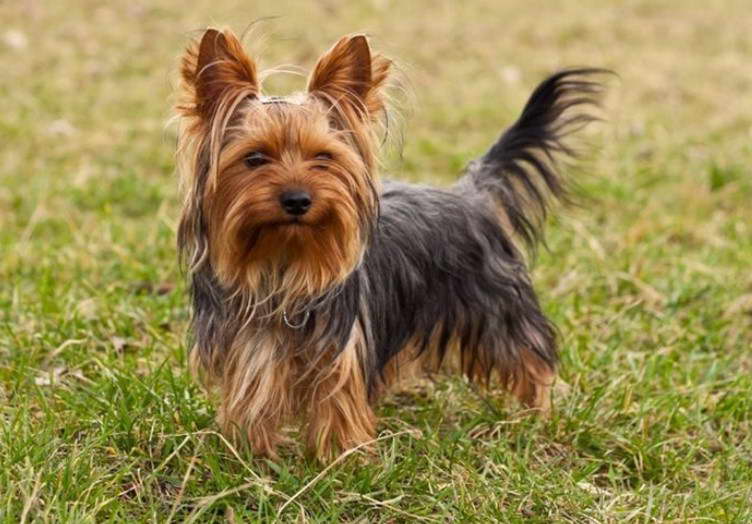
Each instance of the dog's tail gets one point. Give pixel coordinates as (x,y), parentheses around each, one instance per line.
(522,170)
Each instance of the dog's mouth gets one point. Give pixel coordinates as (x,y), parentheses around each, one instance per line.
(295,222)
(292,227)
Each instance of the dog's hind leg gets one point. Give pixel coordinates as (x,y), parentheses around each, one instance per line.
(532,381)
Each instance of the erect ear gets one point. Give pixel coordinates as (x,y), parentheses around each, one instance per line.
(350,77)
(217,68)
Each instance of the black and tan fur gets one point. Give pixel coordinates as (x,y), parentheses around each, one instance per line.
(311,317)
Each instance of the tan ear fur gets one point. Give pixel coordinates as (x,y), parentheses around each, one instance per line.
(350,75)
(213,69)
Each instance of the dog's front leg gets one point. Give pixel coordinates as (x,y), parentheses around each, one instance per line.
(339,414)
(257,395)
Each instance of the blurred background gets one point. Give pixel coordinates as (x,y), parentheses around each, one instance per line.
(650,281)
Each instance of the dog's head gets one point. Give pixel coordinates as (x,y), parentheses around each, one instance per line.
(281,191)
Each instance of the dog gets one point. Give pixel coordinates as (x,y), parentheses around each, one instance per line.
(315,286)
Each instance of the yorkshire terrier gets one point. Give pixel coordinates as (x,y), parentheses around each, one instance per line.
(315,287)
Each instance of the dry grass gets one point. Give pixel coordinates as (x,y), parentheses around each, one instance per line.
(650,282)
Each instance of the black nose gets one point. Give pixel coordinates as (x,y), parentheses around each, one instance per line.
(296,202)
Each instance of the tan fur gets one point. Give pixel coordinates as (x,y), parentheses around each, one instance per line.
(533,382)
(213,68)
(350,75)
(220,84)
(234,228)
(409,367)
(289,261)
(350,81)
(262,388)
(339,414)
(529,379)
(255,395)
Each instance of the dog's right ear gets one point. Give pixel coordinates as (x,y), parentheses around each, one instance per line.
(213,70)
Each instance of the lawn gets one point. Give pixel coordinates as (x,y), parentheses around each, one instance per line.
(649,281)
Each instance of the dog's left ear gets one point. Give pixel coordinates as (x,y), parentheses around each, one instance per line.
(350,77)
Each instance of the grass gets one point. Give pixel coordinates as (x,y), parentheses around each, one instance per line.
(650,283)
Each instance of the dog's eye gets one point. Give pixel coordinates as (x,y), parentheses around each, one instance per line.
(255,159)
(322,156)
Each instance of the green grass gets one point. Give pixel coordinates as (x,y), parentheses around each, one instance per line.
(650,283)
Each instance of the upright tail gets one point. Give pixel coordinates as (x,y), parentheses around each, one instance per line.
(522,169)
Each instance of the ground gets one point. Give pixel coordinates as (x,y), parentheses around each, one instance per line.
(649,280)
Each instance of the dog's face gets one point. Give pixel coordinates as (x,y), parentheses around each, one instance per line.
(283,187)
(291,198)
